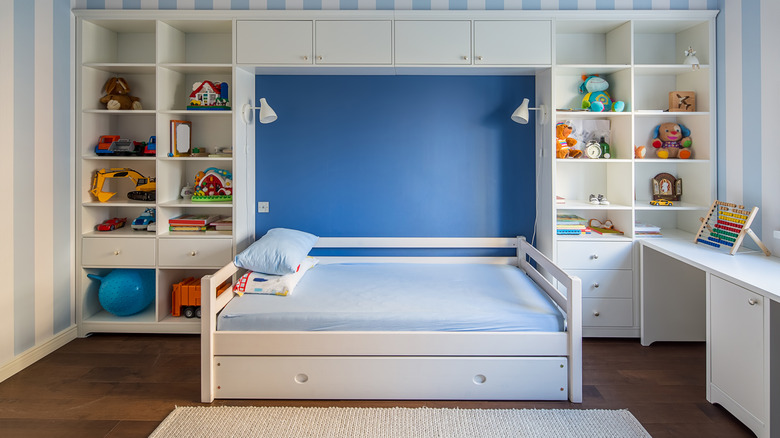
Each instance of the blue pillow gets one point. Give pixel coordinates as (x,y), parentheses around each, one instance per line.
(279,252)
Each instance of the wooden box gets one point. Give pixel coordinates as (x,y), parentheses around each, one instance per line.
(682,101)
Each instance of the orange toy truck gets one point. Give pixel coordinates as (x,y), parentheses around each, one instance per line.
(185,297)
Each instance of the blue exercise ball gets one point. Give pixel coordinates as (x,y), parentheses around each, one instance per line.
(125,292)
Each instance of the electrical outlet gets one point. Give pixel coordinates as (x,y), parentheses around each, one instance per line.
(263,207)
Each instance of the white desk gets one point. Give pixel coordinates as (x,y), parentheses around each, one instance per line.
(690,292)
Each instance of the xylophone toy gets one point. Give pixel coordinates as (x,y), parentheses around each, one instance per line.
(726,225)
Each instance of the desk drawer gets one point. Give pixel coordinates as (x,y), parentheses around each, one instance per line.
(607,312)
(594,255)
(195,252)
(117,252)
(605,283)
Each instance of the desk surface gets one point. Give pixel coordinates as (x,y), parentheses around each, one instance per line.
(749,269)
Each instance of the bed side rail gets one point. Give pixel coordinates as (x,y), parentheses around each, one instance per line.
(210,305)
(571,303)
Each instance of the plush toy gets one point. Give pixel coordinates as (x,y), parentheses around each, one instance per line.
(672,140)
(564,146)
(117,96)
(596,96)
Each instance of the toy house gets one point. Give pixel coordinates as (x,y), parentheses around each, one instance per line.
(208,95)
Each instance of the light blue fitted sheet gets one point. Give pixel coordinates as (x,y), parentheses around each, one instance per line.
(400,297)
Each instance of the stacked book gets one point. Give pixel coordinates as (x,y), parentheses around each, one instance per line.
(646,230)
(223,225)
(571,224)
(191,222)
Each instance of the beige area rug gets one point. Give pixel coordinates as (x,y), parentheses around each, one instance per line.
(282,422)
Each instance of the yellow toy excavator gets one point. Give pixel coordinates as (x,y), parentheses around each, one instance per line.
(144,186)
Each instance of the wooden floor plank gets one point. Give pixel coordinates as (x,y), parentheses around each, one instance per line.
(119,386)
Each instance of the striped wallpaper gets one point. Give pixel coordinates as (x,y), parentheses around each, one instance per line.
(37,226)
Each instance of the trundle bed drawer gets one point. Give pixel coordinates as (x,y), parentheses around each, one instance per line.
(195,252)
(594,255)
(117,252)
(429,378)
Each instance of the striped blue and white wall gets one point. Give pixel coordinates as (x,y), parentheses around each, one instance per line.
(37,304)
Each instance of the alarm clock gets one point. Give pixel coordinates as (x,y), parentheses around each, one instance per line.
(593,149)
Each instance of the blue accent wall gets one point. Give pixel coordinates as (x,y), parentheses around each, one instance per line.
(433,156)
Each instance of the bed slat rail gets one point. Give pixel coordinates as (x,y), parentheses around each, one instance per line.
(571,304)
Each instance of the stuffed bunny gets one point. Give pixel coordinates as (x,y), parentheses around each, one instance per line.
(117,96)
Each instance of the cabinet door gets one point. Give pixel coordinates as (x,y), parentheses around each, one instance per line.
(737,344)
(366,42)
(433,42)
(274,42)
(512,42)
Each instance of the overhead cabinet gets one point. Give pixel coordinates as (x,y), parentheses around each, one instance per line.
(512,42)
(366,42)
(424,42)
(274,42)
(342,42)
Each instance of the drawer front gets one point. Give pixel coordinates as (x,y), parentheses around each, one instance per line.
(594,255)
(117,252)
(195,252)
(607,312)
(605,283)
(426,378)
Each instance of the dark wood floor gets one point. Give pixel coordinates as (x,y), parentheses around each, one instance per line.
(124,385)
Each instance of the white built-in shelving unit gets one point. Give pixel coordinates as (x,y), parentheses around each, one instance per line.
(642,58)
(160,58)
(162,53)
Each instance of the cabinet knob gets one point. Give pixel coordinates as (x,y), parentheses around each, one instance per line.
(594,256)
(596,285)
(117,252)
(596,313)
(193,253)
(305,58)
(465,58)
(479,58)
(752,301)
(319,58)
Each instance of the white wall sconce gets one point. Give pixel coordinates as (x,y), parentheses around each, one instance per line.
(267,114)
(521,113)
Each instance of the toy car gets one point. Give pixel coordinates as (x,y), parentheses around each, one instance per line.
(112,224)
(143,221)
(661,202)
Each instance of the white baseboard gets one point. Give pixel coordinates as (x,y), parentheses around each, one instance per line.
(36,353)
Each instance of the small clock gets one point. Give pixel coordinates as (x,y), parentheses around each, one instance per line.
(593,149)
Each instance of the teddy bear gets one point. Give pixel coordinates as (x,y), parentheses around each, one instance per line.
(564,146)
(672,140)
(596,96)
(117,96)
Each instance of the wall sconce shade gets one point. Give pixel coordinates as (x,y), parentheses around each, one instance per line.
(521,113)
(267,114)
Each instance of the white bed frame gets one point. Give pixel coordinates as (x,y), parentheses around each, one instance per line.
(398,365)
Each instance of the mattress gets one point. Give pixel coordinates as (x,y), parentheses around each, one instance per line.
(400,297)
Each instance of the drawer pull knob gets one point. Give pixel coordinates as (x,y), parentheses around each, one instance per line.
(117,252)
(479,58)
(752,301)
(594,257)
(596,285)
(194,253)
(319,58)
(305,58)
(596,313)
(465,58)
